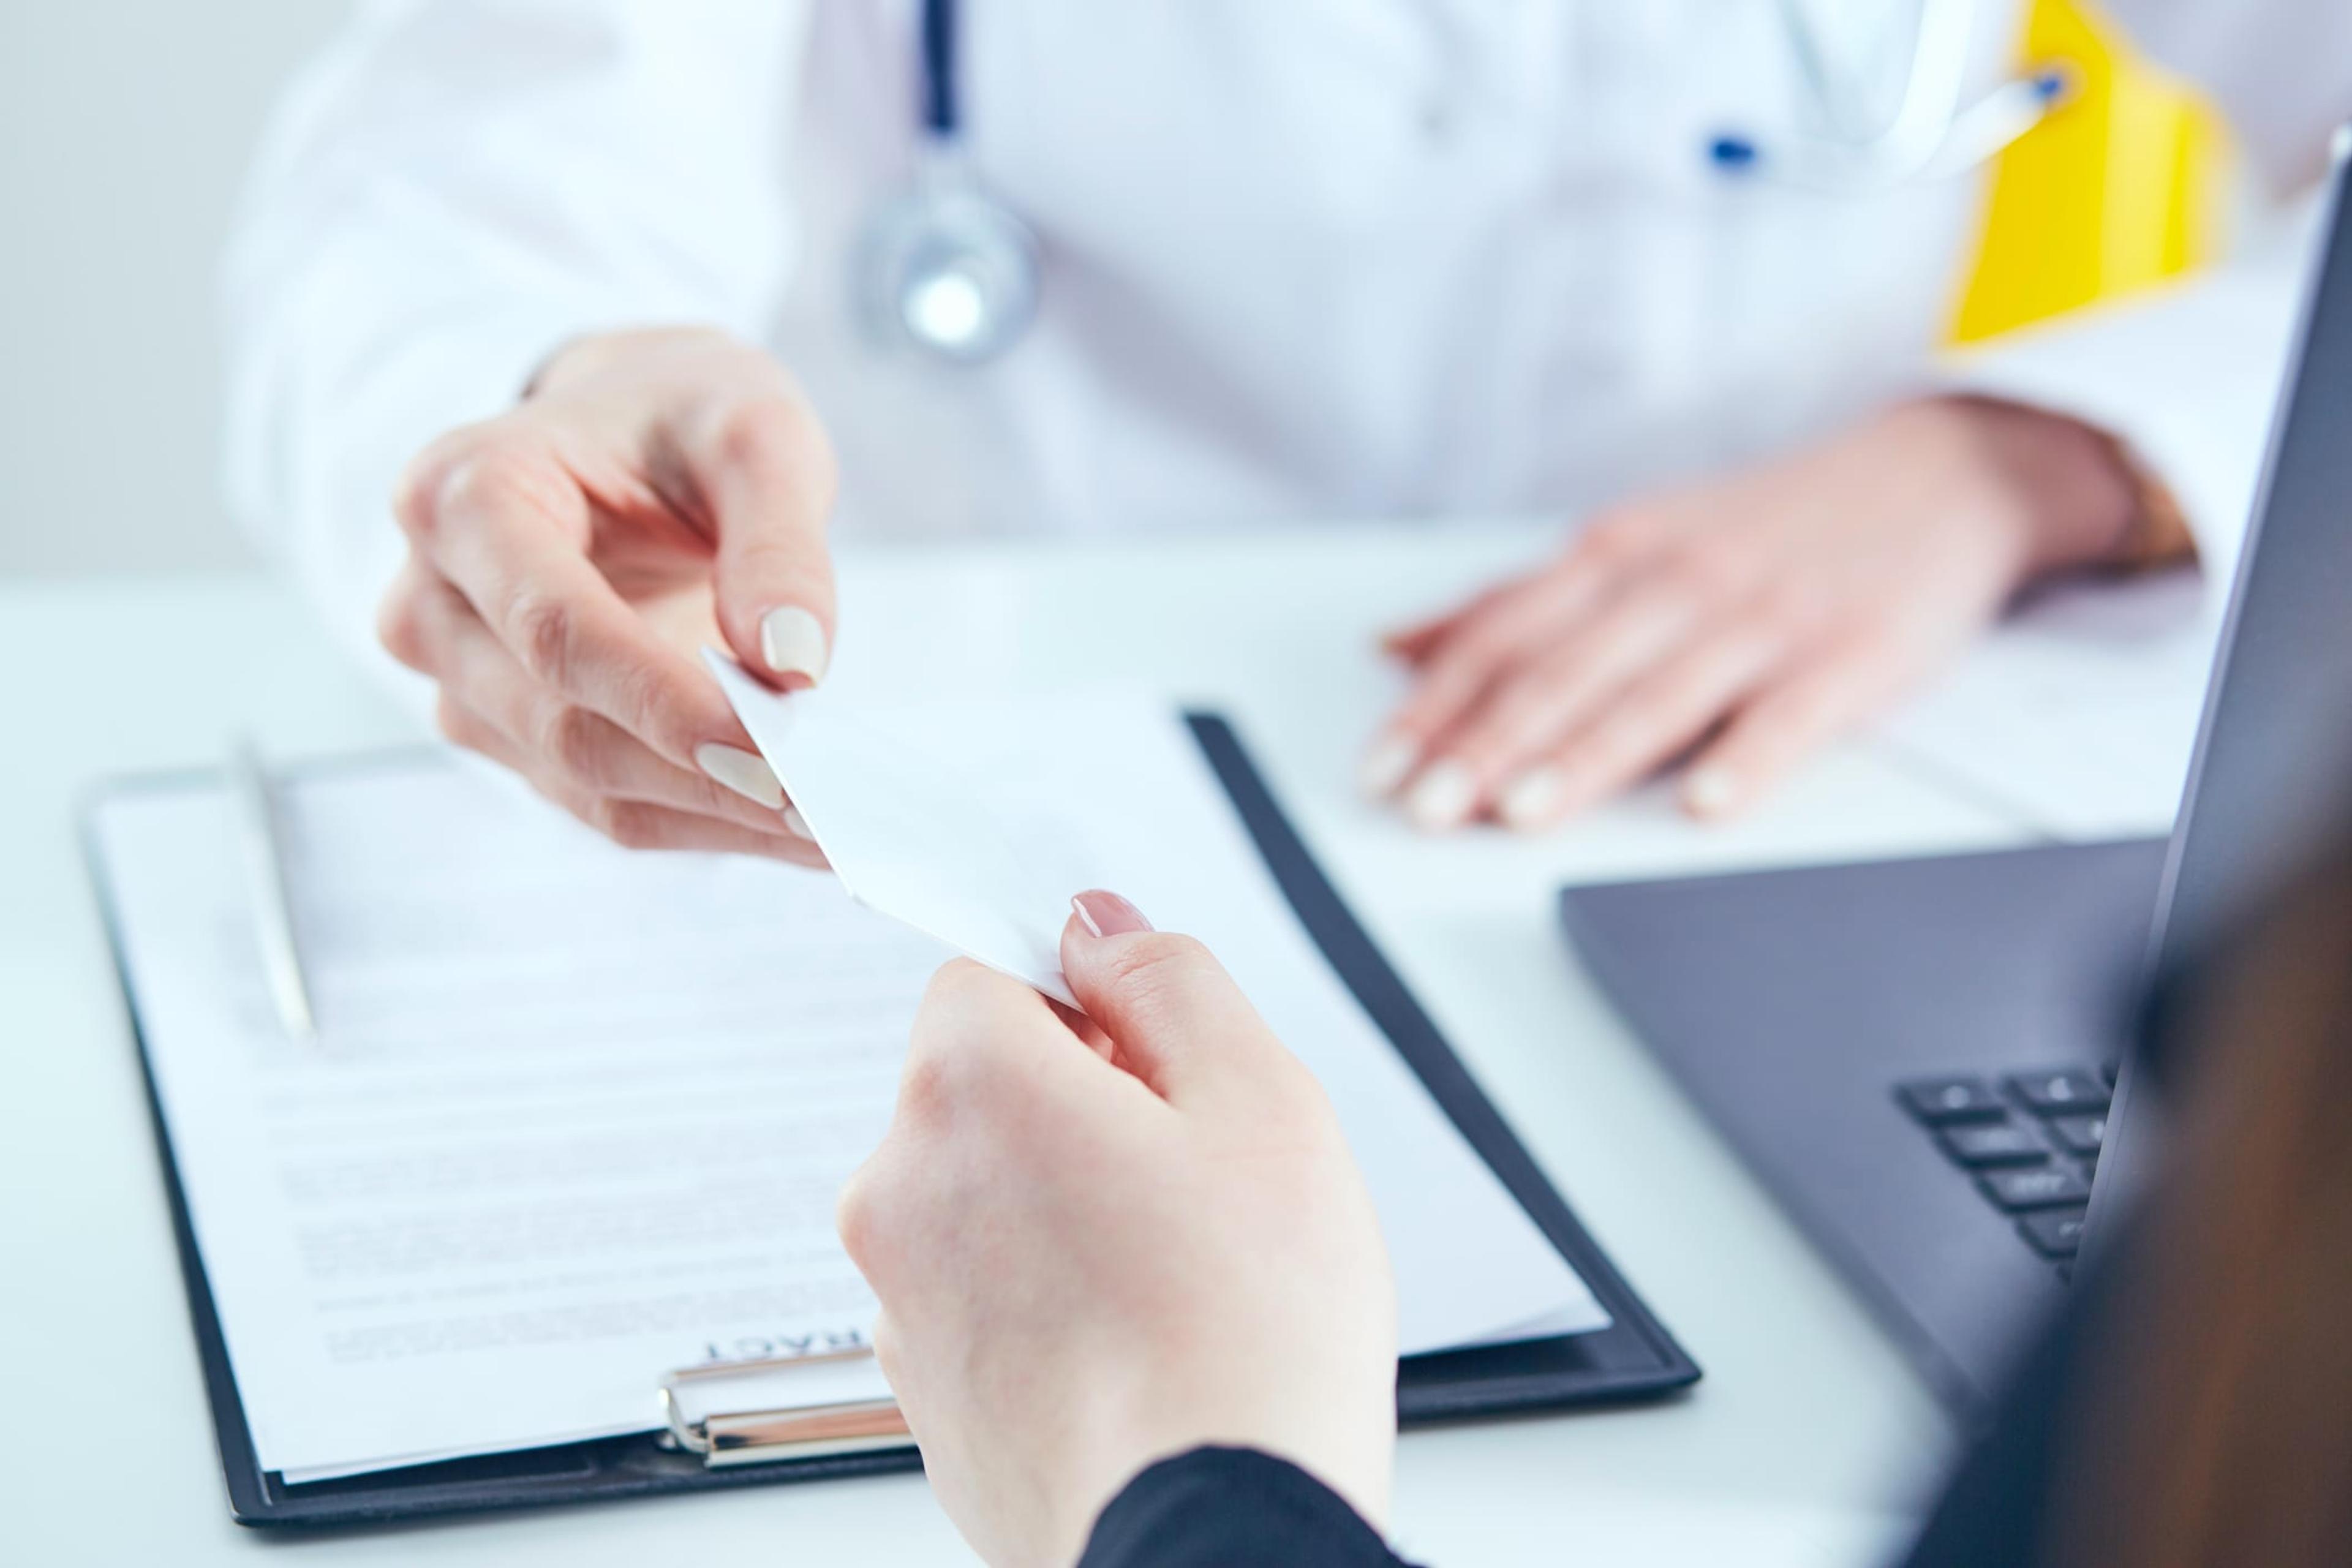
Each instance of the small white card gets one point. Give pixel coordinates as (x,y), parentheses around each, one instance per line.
(920,837)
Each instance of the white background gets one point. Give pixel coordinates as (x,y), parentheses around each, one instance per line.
(124,130)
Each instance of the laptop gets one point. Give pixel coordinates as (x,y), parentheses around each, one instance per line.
(1924,1059)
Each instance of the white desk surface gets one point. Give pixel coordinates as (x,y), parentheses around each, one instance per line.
(1808,1442)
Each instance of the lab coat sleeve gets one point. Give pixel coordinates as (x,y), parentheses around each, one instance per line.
(2189,378)
(451,190)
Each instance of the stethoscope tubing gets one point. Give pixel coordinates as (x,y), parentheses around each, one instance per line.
(942,114)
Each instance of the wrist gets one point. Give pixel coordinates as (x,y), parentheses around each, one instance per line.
(2067,494)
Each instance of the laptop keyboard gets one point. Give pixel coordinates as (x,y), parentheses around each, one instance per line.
(2028,1140)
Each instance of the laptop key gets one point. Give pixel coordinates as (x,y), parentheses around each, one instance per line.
(1941,1101)
(2062,1091)
(2054,1233)
(2040,1187)
(2079,1135)
(1984,1144)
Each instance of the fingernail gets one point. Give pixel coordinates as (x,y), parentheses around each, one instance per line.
(1443,798)
(1107,914)
(793,642)
(1710,790)
(1386,766)
(796,825)
(1534,799)
(745,772)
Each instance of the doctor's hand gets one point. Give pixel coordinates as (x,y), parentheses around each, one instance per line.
(654,492)
(1101,1244)
(1747,621)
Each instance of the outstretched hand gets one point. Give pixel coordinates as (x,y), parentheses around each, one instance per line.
(655,492)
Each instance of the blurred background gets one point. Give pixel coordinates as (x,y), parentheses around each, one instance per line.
(124,130)
(128,124)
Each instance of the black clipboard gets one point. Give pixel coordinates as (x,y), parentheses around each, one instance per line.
(1633,1358)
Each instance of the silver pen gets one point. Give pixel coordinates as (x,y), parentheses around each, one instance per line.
(265,892)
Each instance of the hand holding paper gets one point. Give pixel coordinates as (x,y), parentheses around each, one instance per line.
(1206,1248)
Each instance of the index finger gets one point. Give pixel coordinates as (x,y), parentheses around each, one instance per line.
(505,527)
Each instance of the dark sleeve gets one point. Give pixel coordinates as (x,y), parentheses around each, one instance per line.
(1232,1507)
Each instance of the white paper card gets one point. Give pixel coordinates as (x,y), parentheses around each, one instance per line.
(1009,809)
(943,847)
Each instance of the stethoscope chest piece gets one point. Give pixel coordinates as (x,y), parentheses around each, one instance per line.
(948,270)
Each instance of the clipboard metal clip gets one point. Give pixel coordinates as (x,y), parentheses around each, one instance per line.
(725,1438)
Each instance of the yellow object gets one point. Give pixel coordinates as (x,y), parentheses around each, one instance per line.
(2121,189)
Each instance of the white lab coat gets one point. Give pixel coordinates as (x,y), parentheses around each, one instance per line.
(1303,258)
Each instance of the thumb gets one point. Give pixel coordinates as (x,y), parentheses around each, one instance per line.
(1176,1018)
(768,475)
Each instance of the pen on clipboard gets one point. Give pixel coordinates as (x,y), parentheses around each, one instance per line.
(265,892)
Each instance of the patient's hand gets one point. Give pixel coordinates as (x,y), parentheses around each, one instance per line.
(1100,1245)
(1752,618)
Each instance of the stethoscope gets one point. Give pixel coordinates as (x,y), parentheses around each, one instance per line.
(949,272)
